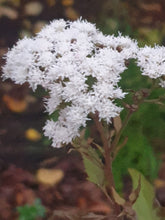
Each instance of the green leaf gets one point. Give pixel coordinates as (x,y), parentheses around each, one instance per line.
(31,212)
(54,116)
(135,193)
(93,167)
(144,204)
(87,133)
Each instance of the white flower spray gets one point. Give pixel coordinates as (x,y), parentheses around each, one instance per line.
(63,58)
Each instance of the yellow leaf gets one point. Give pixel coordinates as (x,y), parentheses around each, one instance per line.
(49,176)
(14,104)
(67,2)
(159,183)
(32,134)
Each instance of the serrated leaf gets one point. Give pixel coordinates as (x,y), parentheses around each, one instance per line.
(144,203)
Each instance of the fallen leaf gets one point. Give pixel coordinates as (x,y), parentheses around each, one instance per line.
(15,105)
(32,134)
(24,195)
(33,8)
(49,176)
(67,2)
(159,183)
(9,12)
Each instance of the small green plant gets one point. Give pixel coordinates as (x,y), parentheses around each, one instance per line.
(31,212)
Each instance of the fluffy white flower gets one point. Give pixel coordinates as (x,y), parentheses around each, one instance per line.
(67,126)
(152,61)
(79,66)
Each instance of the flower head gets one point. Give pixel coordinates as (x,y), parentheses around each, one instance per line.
(79,66)
(152,62)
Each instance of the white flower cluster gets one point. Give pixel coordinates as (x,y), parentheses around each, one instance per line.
(80,67)
(152,62)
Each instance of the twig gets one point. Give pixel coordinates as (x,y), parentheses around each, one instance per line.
(118,135)
(119,147)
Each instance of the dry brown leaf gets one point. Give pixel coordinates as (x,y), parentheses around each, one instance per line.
(49,176)
(159,183)
(67,2)
(24,195)
(15,105)
(9,12)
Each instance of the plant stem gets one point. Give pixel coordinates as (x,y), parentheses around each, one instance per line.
(118,148)
(106,148)
(108,162)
